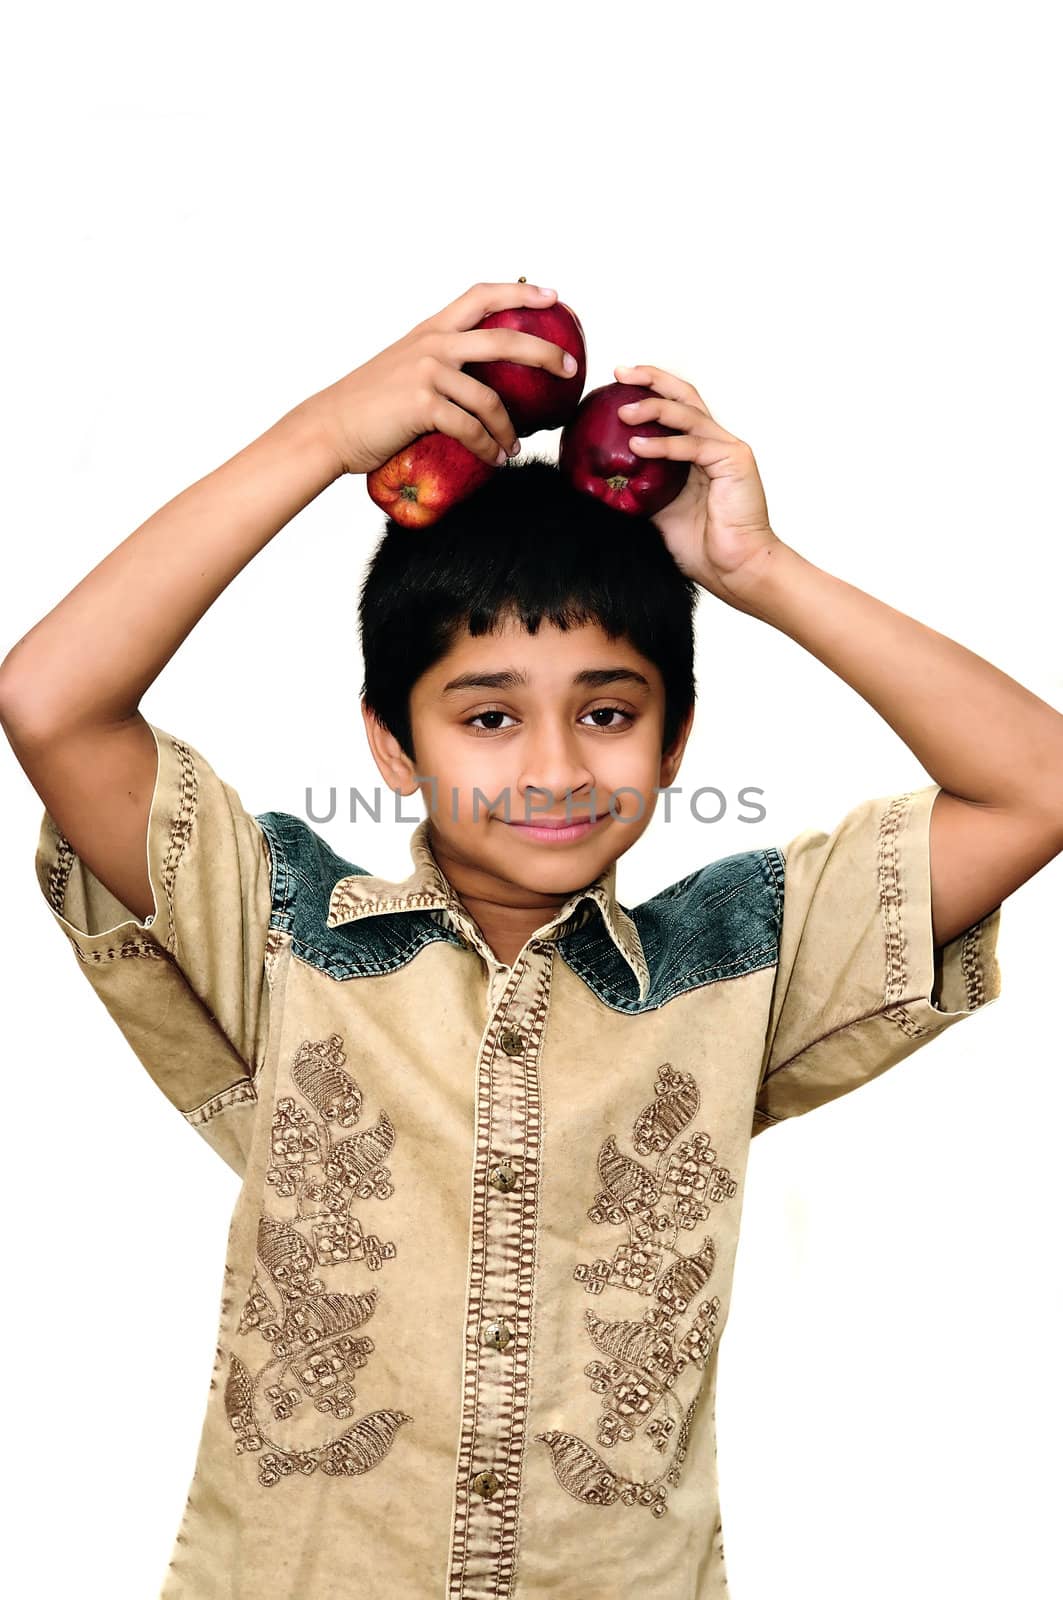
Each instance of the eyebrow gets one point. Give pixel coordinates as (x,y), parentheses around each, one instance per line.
(509,678)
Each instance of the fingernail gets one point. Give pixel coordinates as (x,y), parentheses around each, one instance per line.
(570,363)
(547,291)
(501,457)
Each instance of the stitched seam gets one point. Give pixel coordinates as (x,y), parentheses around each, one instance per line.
(905,1021)
(393,903)
(60,873)
(180,833)
(773,860)
(130,949)
(301,948)
(180,830)
(267,854)
(242,1092)
(892,897)
(463,1532)
(892,1014)
(280,915)
(719,968)
(540,1015)
(529,1222)
(608,994)
(754,952)
(895,947)
(975,991)
(971,964)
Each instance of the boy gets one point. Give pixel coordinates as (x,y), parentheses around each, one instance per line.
(492,1126)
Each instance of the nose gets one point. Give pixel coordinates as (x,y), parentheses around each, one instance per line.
(554,776)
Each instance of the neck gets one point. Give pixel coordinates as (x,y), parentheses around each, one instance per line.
(506,929)
(507,914)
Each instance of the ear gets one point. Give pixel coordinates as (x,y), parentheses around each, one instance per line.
(394,765)
(671,759)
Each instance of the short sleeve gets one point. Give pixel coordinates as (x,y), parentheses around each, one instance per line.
(859,985)
(188,985)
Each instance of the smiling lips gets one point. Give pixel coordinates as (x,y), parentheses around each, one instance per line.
(557,829)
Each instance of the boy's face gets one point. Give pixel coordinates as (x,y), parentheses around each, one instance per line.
(542,747)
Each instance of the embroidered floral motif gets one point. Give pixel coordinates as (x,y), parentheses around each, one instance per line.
(313,1331)
(645,1361)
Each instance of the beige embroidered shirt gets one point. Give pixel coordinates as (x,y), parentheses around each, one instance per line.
(480,1261)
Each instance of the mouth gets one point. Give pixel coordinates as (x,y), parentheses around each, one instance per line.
(557,830)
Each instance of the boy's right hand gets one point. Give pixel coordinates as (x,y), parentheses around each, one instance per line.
(417,386)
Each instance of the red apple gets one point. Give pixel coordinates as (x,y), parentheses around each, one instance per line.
(595,457)
(533,397)
(425,479)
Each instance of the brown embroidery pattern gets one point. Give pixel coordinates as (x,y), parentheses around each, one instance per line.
(895,818)
(179,833)
(308,1383)
(644,1361)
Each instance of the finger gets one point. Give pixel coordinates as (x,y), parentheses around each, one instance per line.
(705,450)
(674,414)
(445,417)
(509,344)
(665,383)
(481,401)
(472,306)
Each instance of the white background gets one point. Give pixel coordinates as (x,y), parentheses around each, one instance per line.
(841,223)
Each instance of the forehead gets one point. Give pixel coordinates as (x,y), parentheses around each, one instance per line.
(549,658)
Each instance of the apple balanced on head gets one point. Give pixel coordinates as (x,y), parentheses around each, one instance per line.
(423,480)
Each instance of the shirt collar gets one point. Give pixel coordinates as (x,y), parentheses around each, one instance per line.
(427,888)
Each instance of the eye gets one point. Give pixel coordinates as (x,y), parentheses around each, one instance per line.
(596,711)
(618,711)
(469,721)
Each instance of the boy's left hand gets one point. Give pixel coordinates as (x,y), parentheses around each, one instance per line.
(718,523)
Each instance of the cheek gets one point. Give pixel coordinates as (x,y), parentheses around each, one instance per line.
(632,774)
(459,768)
(441,755)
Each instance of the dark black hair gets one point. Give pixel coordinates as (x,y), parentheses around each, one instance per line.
(530,545)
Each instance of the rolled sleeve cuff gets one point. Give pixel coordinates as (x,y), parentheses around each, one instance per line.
(92,918)
(894,991)
(934,988)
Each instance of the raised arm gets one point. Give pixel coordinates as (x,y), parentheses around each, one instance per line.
(993,749)
(70,689)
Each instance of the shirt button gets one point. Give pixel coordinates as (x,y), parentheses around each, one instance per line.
(511,1042)
(497,1335)
(502,1176)
(486,1483)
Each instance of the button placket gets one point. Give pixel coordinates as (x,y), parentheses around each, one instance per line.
(503,1176)
(497,1334)
(500,1288)
(497,981)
